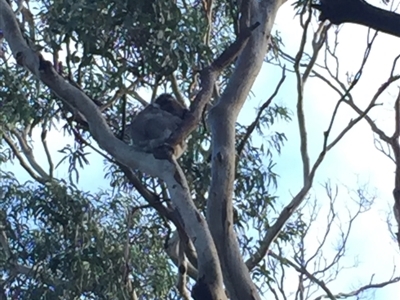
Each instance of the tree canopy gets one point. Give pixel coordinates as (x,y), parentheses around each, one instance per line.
(74,74)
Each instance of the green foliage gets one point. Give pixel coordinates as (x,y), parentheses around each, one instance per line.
(18,100)
(79,242)
(143,38)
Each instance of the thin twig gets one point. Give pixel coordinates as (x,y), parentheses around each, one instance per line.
(265,105)
(21,160)
(27,151)
(46,150)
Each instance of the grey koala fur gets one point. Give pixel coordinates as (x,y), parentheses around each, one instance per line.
(155,124)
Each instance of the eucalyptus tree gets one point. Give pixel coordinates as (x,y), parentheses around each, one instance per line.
(86,68)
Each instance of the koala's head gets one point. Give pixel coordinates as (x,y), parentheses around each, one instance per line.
(169,104)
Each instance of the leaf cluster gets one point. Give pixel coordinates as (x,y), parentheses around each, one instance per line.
(80,243)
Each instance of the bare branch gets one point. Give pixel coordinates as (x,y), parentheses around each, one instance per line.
(317,42)
(263,107)
(140,99)
(46,150)
(175,88)
(308,180)
(208,9)
(300,98)
(362,289)
(372,124)
(119,94)
(21,137)
(21,160)
(304,271)
(172,249)
(348,127)
(330,219)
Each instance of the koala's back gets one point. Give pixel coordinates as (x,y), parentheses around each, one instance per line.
(152,127)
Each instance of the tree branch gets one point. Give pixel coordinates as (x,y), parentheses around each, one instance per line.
(359,12)
(222,119)
(304,271)
(208,76)
(21,137)
(46,150)
(21,160)
(263,107)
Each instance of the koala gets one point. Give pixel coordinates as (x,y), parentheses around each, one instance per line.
(155,124)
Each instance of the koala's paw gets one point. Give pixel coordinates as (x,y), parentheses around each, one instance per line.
(165,151)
